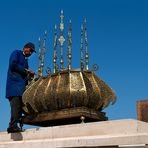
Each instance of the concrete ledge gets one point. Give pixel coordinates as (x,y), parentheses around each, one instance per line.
(115,133)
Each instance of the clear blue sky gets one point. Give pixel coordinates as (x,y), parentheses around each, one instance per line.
(117,37)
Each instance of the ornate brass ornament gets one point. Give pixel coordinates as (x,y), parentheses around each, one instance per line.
(61,39)
(75,92)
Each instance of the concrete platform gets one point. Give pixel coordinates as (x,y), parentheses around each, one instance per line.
(106,134)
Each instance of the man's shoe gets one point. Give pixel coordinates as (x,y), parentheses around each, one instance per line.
(14,130)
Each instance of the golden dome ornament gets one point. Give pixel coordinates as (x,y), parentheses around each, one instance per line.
(66,95)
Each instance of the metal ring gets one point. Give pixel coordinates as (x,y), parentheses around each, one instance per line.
(95,67)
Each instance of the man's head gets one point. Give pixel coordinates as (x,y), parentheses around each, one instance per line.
(28,49)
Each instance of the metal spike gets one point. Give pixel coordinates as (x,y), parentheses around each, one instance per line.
(61,11)
(43,53)
(61,39)
(81,48)
(55,49)
(45,35)
(39,56)
(69,44)
(86,45)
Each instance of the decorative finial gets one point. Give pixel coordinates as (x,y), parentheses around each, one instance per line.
(69,45)
(43,54)
(61,39)
(39,56)
(55,49)
(61,11)
(86,44)
(45,35)
(81,48)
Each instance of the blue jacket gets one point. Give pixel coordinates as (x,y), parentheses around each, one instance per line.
(16,75)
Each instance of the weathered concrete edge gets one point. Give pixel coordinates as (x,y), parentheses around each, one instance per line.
(79,141)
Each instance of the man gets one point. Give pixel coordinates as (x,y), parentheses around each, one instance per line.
(16,83)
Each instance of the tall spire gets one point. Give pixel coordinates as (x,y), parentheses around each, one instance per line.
(39,56)
(61,39)
(55,49)
(81,48)
(42,54)
(69,44)
(86,45)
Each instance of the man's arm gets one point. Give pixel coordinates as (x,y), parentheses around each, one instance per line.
(14,63)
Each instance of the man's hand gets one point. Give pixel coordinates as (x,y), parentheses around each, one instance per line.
(31,73)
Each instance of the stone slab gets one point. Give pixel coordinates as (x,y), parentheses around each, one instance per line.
(116,133)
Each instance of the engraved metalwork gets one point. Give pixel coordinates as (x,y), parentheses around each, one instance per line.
(69,88)
(86,44)
(40,58)
(55,50)
(41,55)
(73,92)
(61,39)
(69,44)
(81,49)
